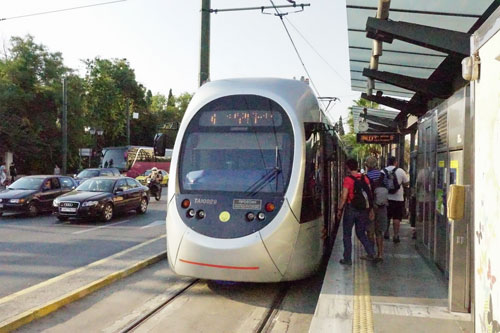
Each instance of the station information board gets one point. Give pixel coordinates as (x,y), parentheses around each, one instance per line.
(378,138)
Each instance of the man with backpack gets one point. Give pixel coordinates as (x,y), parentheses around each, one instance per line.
(379,188)
(356,198)
(396,179)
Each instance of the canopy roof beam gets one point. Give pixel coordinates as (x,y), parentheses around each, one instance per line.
(442,40)
(394,103)
(424,86)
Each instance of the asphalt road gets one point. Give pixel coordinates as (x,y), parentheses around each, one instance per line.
(33,250)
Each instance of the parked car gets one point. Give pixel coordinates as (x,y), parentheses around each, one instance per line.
(32,194)
(102,197)
(142,178)
(95,172)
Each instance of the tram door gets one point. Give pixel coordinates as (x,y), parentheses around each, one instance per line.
(441,253)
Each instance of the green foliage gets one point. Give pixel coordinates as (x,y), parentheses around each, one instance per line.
(357,150)
(31,106)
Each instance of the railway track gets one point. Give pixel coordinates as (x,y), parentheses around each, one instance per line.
(265,325)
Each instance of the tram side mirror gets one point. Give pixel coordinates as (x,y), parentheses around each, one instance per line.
(160,144)
(456,202)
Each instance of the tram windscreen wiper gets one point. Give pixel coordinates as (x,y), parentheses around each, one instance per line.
(267,178)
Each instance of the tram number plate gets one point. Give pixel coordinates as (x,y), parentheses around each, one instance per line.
(250,204)
(69,210)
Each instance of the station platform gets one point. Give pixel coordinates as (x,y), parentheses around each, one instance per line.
(404,293)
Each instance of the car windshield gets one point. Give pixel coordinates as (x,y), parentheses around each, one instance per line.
(88,174)
(97,185)
(115,158)
(26,183)
(147,173)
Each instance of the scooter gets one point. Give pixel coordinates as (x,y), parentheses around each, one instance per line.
(154,189)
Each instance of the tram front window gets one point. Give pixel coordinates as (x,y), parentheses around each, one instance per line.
(248,162)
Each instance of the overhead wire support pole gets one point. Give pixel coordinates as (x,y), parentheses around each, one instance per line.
(205,42)
(261,8)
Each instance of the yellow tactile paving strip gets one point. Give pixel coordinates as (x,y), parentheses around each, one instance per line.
(363,315)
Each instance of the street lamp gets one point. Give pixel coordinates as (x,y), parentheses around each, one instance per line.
(94,132)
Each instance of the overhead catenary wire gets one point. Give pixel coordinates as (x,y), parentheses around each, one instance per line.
(60,10)
(280,15)
(319,55)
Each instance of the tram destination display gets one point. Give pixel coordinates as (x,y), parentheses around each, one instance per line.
(378,138)
(241,118)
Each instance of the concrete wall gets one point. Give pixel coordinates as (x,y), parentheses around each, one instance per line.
(487,189)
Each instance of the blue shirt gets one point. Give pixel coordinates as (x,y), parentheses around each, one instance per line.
(374,175)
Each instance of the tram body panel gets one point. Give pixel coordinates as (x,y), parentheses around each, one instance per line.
(307,252)
(175,232)
(239,259)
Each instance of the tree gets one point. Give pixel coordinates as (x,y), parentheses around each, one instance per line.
(357,150)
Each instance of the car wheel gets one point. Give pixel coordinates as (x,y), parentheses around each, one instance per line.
(63,218)
(143,207)
(107,213)
(32,209)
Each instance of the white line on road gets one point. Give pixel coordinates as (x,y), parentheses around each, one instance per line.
(153,224)
(100,227)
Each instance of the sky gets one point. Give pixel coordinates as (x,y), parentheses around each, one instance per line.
(161,40)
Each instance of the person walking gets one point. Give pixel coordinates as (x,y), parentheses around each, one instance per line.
(380,201)
(355,187)
(57,170)
(3,176)
(13,172)
(396,179)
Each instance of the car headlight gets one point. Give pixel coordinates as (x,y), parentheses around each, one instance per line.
(55,203)
(89,203)
(17,200)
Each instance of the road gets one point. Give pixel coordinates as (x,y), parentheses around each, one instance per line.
(33,250)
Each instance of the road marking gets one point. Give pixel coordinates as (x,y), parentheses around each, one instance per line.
(363,315)
(100,227)
(154,224)
(75,271)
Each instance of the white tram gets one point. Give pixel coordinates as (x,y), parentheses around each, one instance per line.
(252,183)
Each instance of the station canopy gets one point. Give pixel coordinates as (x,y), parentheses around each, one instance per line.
(409,55)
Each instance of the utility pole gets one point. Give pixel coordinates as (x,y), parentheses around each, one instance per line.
(128,122)
(64,128)
(205,42)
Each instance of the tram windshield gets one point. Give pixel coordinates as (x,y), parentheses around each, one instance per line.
(249,158)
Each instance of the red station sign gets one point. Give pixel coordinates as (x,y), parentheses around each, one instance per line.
(378,138)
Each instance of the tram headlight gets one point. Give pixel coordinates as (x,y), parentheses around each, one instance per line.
(200,214)
(261,216)
(269,207)
(250,216)
(190,213)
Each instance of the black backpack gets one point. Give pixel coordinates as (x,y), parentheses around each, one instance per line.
(392,181)
(362,195)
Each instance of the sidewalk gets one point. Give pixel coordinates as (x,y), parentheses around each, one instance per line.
(39,300)
(402,294)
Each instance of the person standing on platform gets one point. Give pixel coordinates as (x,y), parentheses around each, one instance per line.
(355,187)
(379,186)
(396,179)
(13,173)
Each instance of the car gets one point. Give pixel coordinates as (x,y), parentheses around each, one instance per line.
(102,198)
(33,194)
(142,178)
(95,172)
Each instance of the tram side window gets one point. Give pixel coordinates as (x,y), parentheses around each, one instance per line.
(311,195)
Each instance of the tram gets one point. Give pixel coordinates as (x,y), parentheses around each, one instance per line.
(254,181)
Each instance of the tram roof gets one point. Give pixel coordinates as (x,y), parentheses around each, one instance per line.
(294,93)
(414,54)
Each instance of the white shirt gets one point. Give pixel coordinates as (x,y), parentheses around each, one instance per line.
(402,178)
